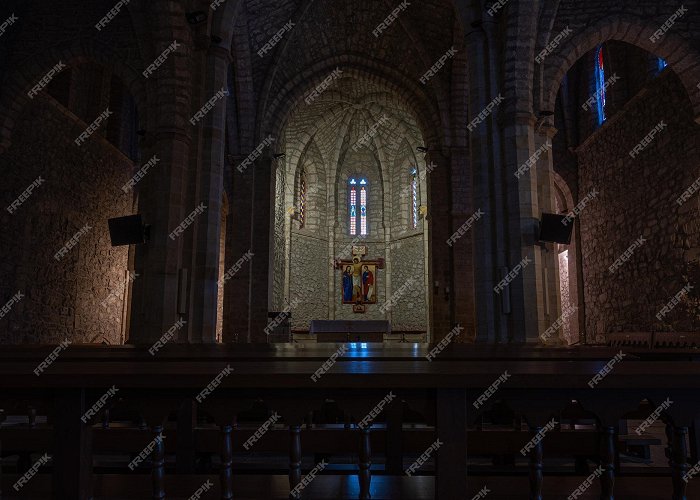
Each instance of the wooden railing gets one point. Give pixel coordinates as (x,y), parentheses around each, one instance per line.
(428,405)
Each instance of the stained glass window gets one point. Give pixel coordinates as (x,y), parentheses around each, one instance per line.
(357,208)
(600,84)
(302,199)
(353,207)
(363,210)
(414,198)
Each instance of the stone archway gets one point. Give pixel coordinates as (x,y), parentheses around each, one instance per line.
(23,79)
(359,128)
(677,51)
(569,269)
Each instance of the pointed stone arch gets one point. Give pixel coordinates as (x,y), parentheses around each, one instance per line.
(20,81)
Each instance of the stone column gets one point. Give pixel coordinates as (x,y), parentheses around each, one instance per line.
(500,215)
(440,253)
(462,291)
(239,231)
(205,242)
(155,291)
(527,290)
(262,227)
(485,263)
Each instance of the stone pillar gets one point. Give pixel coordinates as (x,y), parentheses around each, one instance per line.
(440,253)
(161,193)
(527,290)
(239,230)
(155,292)
(262,227)
(485,262)
(205,241)
(500,215)
(462,291)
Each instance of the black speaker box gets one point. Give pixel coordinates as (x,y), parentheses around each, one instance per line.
(553,229)
(127,230)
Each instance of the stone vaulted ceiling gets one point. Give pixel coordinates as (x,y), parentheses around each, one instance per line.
(330,30)
(341,117)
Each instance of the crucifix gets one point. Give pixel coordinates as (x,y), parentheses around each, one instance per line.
(359,283)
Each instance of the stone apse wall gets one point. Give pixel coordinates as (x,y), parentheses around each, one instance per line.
(81,296)
(637,198)
(304,255)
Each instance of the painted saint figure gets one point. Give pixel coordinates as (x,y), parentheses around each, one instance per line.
(367,283)
(358,281)
(347,284)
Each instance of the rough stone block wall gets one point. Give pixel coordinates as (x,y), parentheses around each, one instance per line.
(408,266)
(637,198)
(280,243)
(66,298)
(309,279)
(310,262)
(401,200)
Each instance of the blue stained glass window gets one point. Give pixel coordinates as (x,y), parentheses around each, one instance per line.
(353,208)
(363,210)
(302,199)
(600,84)
(357,207)
(414,198)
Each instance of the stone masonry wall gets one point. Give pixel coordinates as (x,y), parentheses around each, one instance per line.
(637,198)
(280,243)
(309,279)
(408,284)
(79,297)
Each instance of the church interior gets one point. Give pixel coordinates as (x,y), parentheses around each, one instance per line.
(314,249)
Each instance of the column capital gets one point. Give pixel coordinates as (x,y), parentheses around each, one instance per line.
(176,133)
(524,118)
(219,52)
(546,129)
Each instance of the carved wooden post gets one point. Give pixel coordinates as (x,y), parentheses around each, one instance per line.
(226,474)
(158,466)
(451,456)
(72,446)
(607,463)
(294,456)
(394,451)
(365,462)
(310,420)
(186,423)
(694,441)
(678,461)
(536,466)
(31,414)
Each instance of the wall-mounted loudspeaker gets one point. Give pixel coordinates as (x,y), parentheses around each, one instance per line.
(554,229)
(127,230)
